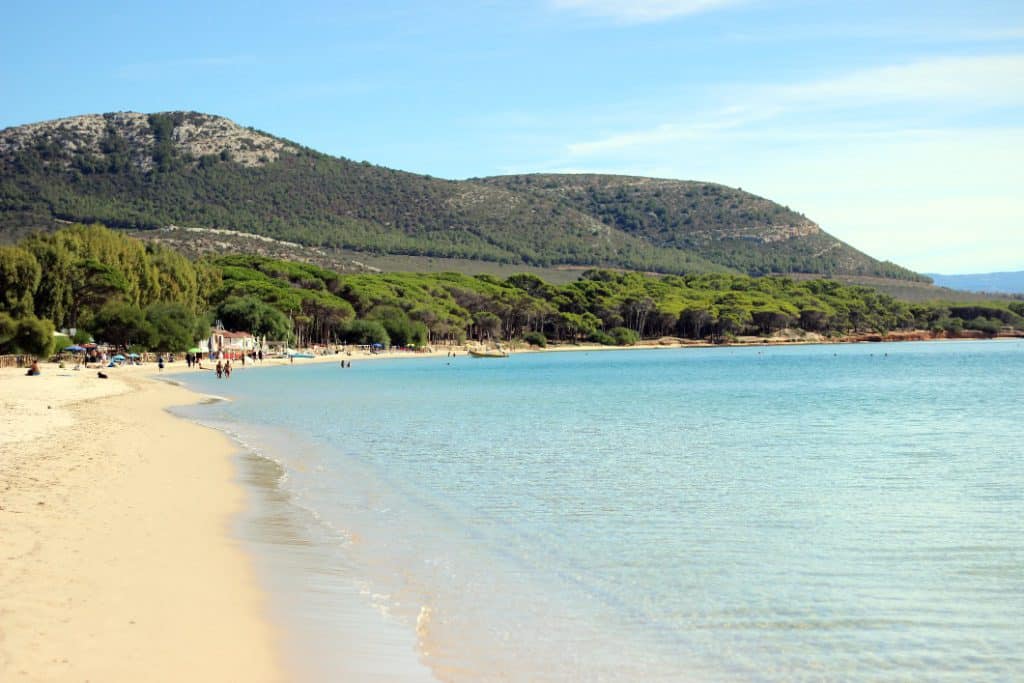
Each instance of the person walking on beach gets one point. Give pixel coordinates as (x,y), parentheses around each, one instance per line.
(220,370)
(160,362)
(227,369)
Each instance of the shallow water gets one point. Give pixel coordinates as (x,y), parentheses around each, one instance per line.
(784,513)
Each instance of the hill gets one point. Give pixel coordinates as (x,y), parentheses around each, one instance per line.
(150,172)
(721,224)
(1003,283)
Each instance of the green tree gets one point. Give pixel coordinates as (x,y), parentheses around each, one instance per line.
(19,279)
(122,325)
(28,335)
(175,327)
(365,332)
(254,316)
(8,328)
(401,330)
(487,325)
(695,321)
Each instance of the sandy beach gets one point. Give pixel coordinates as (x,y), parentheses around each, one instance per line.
(117,559)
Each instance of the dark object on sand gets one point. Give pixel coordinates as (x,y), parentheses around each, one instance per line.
(101,375)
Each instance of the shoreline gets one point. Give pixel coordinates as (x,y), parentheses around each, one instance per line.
(120,521)
(119,559)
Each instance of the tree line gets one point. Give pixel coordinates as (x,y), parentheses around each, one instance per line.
(120,290)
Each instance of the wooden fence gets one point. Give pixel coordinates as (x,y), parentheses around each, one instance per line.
(16,361)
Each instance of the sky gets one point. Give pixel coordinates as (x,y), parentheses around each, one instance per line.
(897,126)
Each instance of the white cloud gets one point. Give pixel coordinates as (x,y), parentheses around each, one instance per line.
(643,11)
(966,82)
(990,79)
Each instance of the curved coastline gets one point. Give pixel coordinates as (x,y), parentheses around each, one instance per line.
(109,519)
(331,627)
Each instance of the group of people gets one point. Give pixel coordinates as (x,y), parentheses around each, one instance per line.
(196,359)
(224,369)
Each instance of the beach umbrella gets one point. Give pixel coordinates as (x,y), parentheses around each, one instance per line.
(378,345)
(195,349)
(118,357)
(133,355)
(74,348)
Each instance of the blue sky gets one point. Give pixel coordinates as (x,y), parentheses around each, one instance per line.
(899,127)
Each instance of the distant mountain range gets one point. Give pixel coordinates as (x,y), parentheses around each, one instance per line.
(1004,283)
(149,172)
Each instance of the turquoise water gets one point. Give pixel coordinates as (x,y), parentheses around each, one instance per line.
(849,512)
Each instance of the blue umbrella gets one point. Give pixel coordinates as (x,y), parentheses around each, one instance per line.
(118,357)
(133,355)
(74,348)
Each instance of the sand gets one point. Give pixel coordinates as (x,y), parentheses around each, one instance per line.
(117,561)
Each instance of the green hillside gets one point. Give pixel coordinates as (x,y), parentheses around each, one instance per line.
(722,224)
(146,172)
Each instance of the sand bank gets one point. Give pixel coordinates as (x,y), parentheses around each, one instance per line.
(116,559)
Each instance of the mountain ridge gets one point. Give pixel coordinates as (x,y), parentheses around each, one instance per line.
(148,171)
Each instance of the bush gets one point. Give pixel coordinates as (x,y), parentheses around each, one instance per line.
(31,335)
(950,325)
(60,342)
(600,337)
(624,336)
(365,332)
(986,325)
(535,339)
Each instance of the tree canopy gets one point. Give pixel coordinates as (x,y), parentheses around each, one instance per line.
(131,294)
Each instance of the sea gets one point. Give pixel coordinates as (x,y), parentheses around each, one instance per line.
(783,513)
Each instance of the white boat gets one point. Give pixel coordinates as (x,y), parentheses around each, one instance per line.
(490,353)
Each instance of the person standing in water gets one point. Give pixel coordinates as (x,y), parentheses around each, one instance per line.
(220,370)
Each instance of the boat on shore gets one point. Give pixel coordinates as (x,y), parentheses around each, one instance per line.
(488,353)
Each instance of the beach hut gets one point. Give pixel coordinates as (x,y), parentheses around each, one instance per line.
(227,344)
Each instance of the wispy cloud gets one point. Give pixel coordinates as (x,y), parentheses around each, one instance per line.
(944,33)
(985,79)
(643,11)
(972,82)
